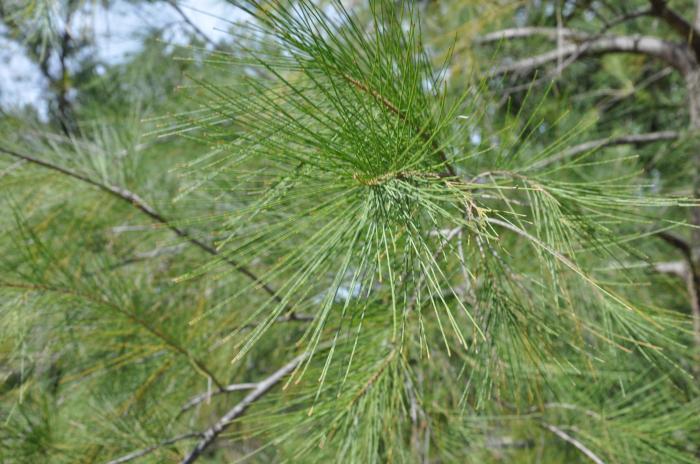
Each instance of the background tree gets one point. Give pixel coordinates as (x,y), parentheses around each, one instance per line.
(397,232)
(650,48)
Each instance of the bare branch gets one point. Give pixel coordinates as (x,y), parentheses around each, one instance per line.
(554,33)
(634,139)
(525,32)
(262,387)
(574,442)
(674,54)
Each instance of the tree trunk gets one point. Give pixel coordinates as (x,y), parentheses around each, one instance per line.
(692,80)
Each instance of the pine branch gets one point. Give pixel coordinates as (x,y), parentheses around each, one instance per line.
(137,202)
(388,104)
(197,364)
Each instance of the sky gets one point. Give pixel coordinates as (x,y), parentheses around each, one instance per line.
(117,33)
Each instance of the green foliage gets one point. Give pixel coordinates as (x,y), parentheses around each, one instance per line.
(442,283)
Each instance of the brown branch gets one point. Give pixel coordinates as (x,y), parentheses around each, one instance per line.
(145,256)
(677,242)
(692,279)
(137,202)
(262,387)
(557,33)
(677,268)
(685,30)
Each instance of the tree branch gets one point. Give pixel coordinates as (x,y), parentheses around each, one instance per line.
(137,202)
(692,279)
(172,343)
(150,449)
(634,139)
(389,105)
(195,400)
(677,242)
(525,32)
(262,387)
(675,55)
(147,255)
(572,441)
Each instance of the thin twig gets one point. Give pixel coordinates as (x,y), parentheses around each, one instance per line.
(140,453)
(195,400)
(147,255)
(11,168)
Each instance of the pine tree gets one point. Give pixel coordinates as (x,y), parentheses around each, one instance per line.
(338,257)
